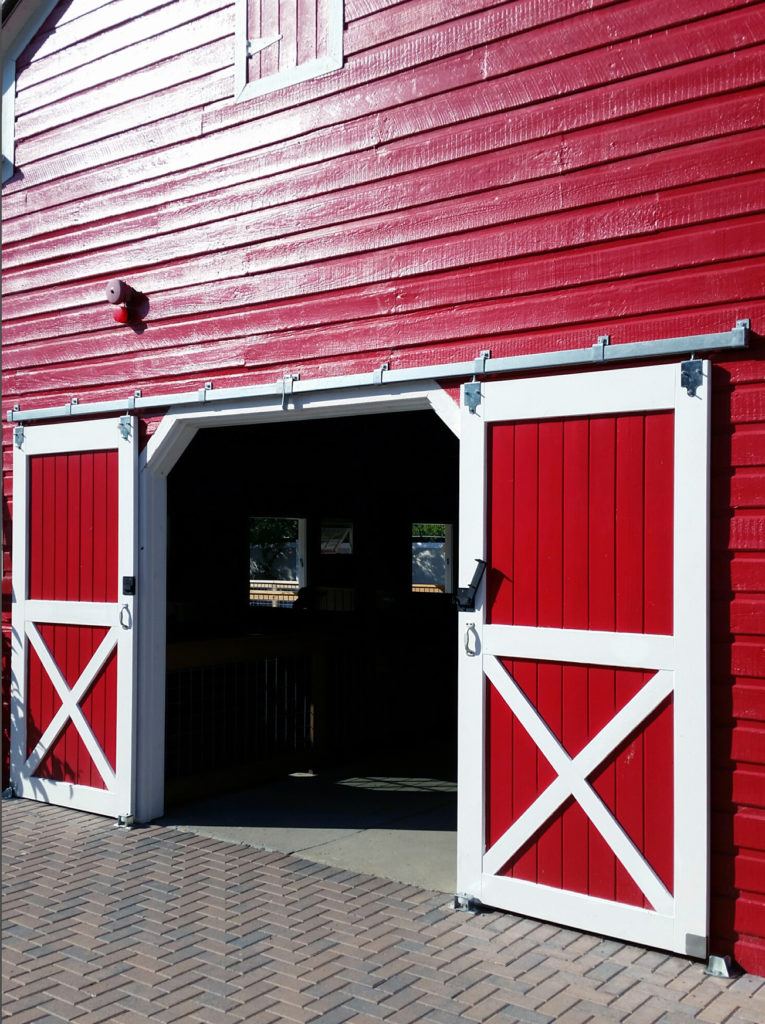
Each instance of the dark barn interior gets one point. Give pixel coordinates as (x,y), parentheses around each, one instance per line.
(354,672)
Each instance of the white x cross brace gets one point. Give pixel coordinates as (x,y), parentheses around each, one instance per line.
(573,773)
(70,704)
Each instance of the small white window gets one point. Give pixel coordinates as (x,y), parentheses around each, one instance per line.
(282,42)
(431,558)
(277,561)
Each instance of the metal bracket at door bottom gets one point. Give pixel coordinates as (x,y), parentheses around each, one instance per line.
(468,904)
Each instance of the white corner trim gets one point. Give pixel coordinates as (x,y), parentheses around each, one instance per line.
(177,429)
(332,60)
(447,410)
(17,33)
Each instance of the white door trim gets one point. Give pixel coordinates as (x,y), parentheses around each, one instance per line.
(165,447)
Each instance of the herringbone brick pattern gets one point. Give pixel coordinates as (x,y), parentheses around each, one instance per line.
(103,924)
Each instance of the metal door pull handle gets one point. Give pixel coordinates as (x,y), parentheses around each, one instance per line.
(126,619)
(471,632)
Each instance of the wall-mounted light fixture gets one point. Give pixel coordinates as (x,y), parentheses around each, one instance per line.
(125,298)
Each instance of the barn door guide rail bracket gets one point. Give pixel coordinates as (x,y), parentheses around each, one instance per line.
(601,353)
(691,376)
(468,904)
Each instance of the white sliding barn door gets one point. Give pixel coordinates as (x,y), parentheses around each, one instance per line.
(72,684)
(583,791)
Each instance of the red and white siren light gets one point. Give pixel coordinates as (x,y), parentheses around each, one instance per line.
(121,295)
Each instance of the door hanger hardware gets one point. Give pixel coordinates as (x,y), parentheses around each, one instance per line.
(465,596)
(472,391)
(691,375)
(288,383)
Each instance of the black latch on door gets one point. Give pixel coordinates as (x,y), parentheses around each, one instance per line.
(465,596)
(128,586)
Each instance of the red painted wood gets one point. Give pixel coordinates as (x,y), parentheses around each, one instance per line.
(68,759)
(601,708)
(552,486)
(501,543)
(42,700)
(406,209)
(368,330)
(602,529)
(87,63)
(306,31)
(499,747)
(73,510)
(698,39)
(57,32)
(549,577)
(568,852)
(657,530)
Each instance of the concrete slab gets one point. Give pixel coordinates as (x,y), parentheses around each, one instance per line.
(400,828)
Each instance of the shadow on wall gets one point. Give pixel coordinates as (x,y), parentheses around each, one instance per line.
(6,645)
(6,708)
(724,805)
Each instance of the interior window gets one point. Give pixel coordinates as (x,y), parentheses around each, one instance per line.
(277,561)
(431,558)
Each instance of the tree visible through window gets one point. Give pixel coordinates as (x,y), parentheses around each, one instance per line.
(277,560)
(431,558)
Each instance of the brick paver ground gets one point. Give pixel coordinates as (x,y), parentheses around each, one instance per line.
(103,924)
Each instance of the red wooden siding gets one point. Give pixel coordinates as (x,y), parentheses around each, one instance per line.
(635,783)
(580,523)
(515,176)
(73,510)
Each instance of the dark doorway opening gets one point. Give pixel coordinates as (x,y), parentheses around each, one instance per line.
(311,662)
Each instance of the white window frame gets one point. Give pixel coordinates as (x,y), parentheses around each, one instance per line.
(449,555)
(302,545)
(332,61)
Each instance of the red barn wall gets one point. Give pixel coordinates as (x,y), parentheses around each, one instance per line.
(514,176)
